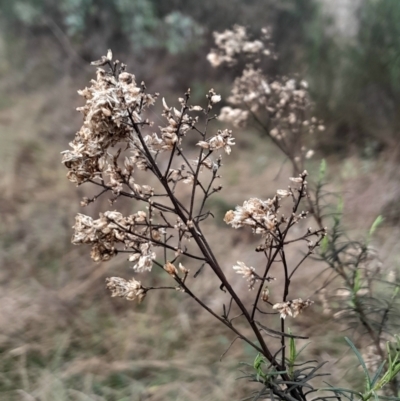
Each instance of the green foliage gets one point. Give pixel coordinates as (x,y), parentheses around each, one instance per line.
(378,221)
(133,23)
(355,81)
(322,171)
(294,354)
(390,367)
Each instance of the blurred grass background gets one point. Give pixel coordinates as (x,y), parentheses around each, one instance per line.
(61,336)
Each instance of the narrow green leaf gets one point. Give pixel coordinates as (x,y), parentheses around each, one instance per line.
(292,347)
(276,372)
(340,205)
(340,390)
(357,281)
(292,353)
(322,170)
(324,244)
(377,374)
(378,221)
(362,363)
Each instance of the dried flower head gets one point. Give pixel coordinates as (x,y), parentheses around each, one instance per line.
(130,290)
(247,272)
(111,229)
(265,294)
(171,269)
(223,140)
(231,44)
(236,117)
(292,308)
(255,213)
(111,103)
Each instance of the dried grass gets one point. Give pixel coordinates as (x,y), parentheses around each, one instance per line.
(61,337)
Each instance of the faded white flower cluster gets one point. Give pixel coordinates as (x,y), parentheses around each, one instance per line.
(255,213)
(251,90)
(112,228)
(111,103)
(130,290)
(247,272)
(282,105)
(179,123)
(265,219)
(286,103)
(292,308)
(263,215)
(223,140)
(233,43)
(237,117)
(113,118)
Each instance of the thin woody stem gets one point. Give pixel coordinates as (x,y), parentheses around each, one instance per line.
(208,254)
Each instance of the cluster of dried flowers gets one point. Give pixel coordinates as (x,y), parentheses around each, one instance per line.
(112,228)
(234,44)
(292,308)
(111,101)
(113,118)
(130,290)
(116,142)
(280,106)
(108,150)
(265,219)
(281,109)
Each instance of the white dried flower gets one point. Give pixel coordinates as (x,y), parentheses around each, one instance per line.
(237,117)
(183,269)
(215,99)
(214,59)
(284,309)
(223,140)
(309,154)
(292,308)
(189,179)
(298,305)
(297,180)
(283,193)
(252,47)
(129,290)
(254,213)
(144,258)
(247,272)
(304,84)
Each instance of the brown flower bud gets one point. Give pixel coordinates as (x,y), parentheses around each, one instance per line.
(170,269)
(265,294)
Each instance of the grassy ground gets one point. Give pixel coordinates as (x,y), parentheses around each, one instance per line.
(63,338)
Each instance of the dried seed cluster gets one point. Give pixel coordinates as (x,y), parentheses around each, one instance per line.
(116,141)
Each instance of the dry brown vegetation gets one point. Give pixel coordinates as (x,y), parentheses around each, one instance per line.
(63,338)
